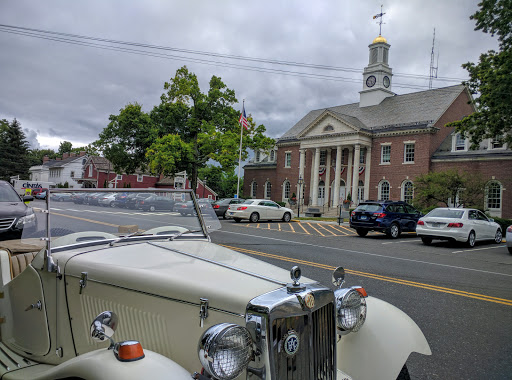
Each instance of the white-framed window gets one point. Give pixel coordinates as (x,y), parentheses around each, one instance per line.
(268,190)
(119,177)
(385,154)
(343,156)
(140,177)
(286,190)
(90,170)
(407,191)
(493,198)
(254,189)
(72,174)
(409,152)
(272,155)
(459,143)
(288,159)
(495,143)
(362,157)
(384,190)
(258,156)
(323,157)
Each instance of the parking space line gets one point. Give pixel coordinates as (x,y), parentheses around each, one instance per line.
(301,226)
(321,225)
(479,249)
(291,226)
(309,224)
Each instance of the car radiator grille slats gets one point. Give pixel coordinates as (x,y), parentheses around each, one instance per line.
(6,223)
(315,359)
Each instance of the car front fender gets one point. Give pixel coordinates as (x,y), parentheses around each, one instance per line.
(382,345)
(102,365)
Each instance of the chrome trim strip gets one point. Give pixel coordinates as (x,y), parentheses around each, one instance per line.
(159,296)
(221,264)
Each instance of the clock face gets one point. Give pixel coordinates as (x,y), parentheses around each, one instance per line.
(386,82)
(370,81)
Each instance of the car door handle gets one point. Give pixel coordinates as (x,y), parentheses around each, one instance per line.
(38,305)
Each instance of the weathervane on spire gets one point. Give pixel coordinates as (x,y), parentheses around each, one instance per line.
(379,15)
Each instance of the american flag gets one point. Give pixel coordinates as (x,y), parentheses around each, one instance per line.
(243,118)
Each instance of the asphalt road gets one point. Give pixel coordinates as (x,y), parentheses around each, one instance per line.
(460,298)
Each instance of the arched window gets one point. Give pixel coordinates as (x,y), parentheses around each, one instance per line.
(258,156)
(254,189)
(286,190)
(493,195)
(329,128)
(384,190)
(272,155)
(407,191)
(268,190)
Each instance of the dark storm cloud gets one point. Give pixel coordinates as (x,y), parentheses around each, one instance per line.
(67,92)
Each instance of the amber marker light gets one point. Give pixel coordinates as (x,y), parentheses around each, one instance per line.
(361,291)
(128,351)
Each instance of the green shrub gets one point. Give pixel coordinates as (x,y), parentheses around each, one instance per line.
(282,204)
(504,223)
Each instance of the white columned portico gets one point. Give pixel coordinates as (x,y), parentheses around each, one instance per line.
(337,178)
(315,177)
(349,172)
(367,173)
(327,176)
(302,157)
(355,171)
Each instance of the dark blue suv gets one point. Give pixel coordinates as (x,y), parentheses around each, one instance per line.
(389,217)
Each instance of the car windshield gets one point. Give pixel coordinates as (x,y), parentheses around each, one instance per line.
(446,213)
(85,221)
(369,207)
(7,193)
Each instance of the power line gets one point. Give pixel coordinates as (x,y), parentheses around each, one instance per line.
(74,39)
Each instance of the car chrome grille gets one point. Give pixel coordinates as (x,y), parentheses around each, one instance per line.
(315,358)
(6,223)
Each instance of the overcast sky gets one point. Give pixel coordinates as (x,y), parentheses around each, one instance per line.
(61,91)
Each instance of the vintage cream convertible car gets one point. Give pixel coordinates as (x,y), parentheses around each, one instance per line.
(182,307)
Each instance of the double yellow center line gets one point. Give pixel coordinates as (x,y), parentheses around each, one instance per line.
(435,288)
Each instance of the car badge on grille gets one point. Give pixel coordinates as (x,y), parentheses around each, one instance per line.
(309,300)
(291,343)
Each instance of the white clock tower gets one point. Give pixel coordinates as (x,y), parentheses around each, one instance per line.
(377,76)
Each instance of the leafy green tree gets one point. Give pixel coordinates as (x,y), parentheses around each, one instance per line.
(196,127)
(439,188)
(36,156)
(64,147)
(126,138)
(491,78)
(14,151)
(223,182)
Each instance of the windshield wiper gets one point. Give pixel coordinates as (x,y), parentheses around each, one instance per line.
(183,233)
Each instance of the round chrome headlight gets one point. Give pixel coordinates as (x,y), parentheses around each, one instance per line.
(225,350)
(350,309)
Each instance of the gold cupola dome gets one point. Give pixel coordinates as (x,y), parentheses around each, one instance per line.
(379,39)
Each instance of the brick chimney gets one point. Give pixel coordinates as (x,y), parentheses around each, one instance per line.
(65,155)
(82,153)
(72,154)
(46,159)
(59,159)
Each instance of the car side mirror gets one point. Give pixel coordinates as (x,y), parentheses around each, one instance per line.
(104,326)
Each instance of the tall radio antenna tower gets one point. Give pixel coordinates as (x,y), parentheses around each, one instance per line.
(433,70)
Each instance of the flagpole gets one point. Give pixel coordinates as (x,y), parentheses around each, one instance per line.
(240,155)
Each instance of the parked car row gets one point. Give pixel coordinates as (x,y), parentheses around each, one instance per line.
(464,225)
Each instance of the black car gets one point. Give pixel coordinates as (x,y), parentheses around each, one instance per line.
(390,217)
(221,206)
(15,215)
(133,199)
(154,202)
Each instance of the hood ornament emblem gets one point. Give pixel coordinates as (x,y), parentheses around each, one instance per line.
(309,300)
(295,286)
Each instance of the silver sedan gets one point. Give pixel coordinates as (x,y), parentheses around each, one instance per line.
(459,224)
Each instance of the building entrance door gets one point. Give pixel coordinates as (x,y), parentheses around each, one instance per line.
(321,193)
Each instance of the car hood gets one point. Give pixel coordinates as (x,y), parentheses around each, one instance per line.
(182,270)
(12,209)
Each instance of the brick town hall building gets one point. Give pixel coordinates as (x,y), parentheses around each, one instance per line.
(376,148)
